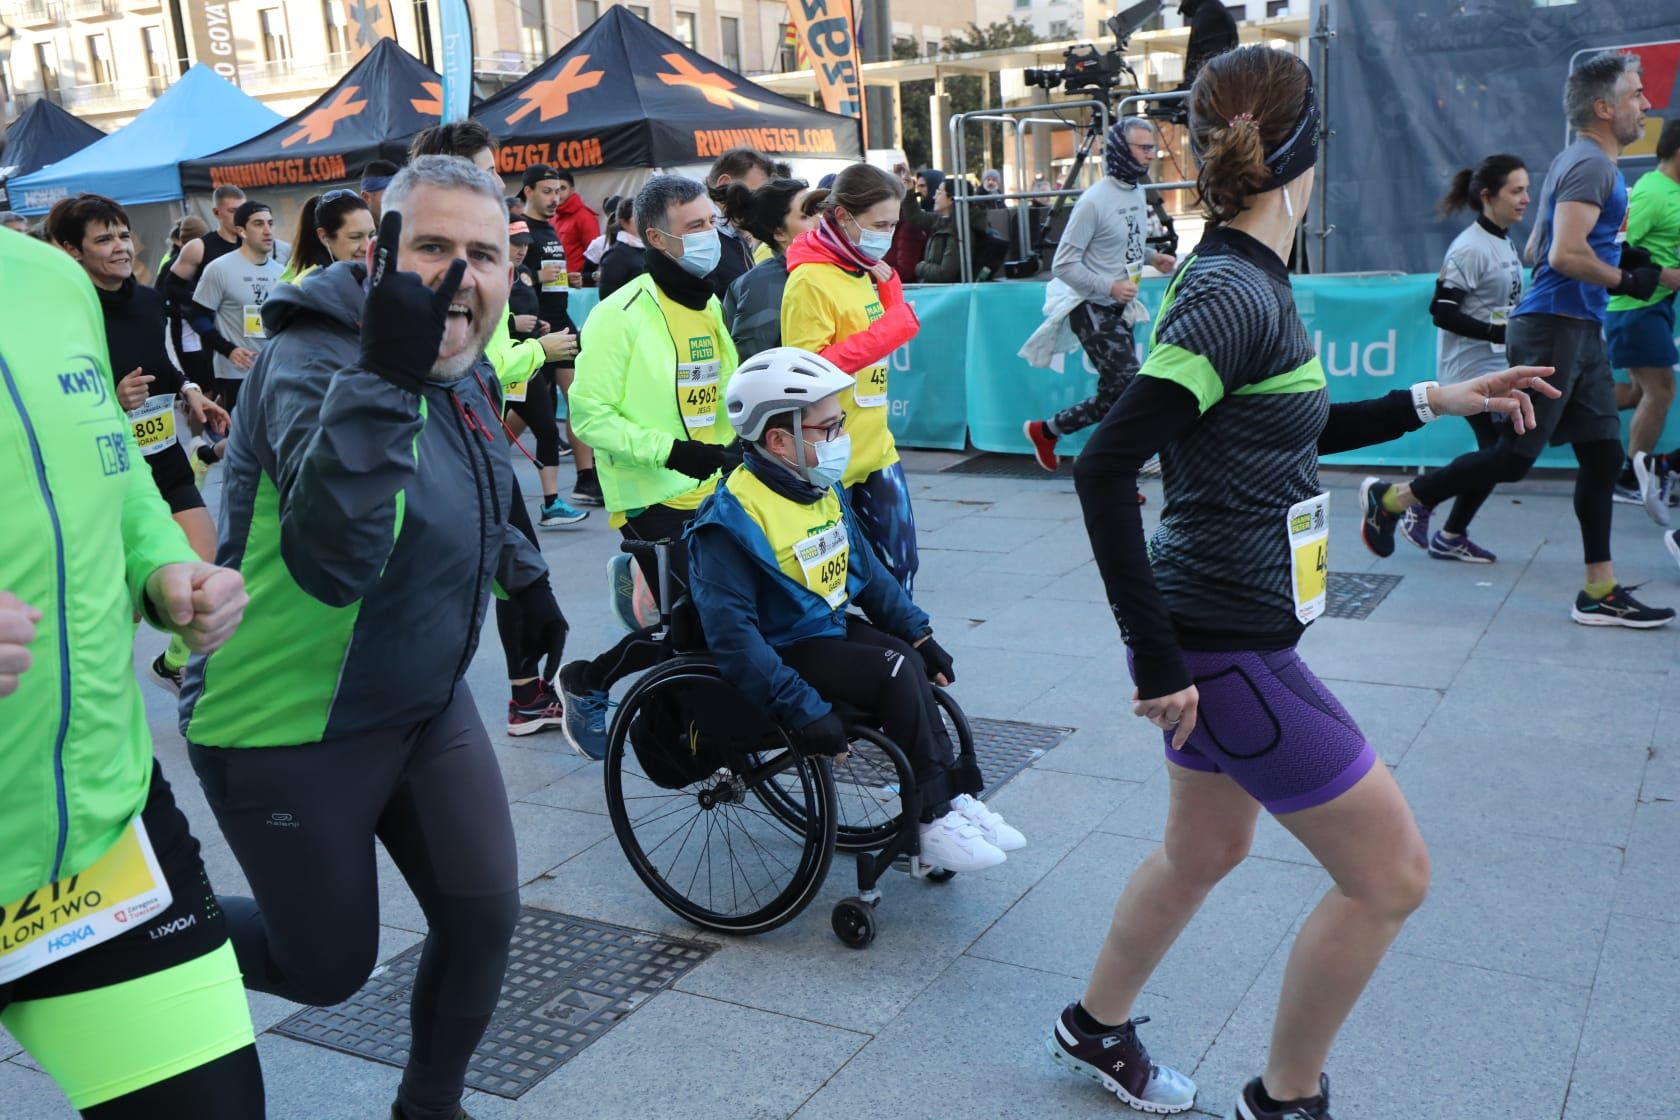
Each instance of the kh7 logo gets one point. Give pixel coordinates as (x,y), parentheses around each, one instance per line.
(84,378)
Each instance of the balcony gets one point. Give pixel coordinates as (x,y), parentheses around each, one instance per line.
(110,97)
(289,74)
(145,7)
(94,11)
(36,15)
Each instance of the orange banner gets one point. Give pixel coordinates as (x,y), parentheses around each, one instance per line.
(370,21)
(827,34)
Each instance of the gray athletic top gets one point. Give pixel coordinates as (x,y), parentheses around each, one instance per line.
(1484,266)
(1104,239)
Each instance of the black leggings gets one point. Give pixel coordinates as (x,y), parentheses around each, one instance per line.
(521,664)
(1470,499)
(637,650)
(229,1086)
(302,820)
(896,693)
(537,410)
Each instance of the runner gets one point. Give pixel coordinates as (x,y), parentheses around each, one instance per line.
(335,226)
(227,304)
(140,1013)
(774,576)
(655,364)
(1100,261)
(546,261)
(94,230)
(844,303)
(749,169)
(1234,400)
(1640,332)
(776,214)
(1559,323)
(366,500)
(1479,286)
(184,272)
(575,225)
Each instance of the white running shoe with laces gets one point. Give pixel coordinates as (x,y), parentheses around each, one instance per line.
(955,843)
(998,832)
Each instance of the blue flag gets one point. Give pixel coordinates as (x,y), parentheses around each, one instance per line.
(456,60)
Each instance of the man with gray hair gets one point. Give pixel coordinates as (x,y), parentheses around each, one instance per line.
(14,221)
(1097,268)
(366,502)
(1578,266)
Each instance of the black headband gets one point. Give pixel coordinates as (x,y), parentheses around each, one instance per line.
(1298,152)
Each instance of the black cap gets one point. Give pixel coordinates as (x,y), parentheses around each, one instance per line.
(537,173)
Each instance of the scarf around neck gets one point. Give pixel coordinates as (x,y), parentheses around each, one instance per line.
(780,477)
(831,237)
(691,291)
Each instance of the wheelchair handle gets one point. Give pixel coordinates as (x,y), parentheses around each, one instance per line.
(660,550)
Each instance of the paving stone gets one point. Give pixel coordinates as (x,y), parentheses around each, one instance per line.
(1626,1066)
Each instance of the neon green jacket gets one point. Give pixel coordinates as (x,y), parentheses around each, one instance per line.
(623,399)
(84,529)
(512,361)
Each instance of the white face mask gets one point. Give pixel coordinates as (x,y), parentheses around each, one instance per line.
(833,457)
(873,243)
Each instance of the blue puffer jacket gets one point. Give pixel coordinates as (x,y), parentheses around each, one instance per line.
(749,608)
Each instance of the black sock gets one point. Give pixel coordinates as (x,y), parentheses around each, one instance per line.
(1266,1101)
(1050,429)
(1088,1023)
(548,499)
(528,692)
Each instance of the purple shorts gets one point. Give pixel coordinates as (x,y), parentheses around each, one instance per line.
(1268,723)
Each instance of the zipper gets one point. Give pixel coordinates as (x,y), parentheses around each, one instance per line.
(63,623)
(477,456)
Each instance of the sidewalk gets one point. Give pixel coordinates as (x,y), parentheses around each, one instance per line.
(1542,760)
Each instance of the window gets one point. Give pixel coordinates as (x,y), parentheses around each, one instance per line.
(930,49)
(588,11)
(339,37)
(46,69)
(1239,12)
(100,63)
(729,41)
(1023,3)
(640,11)
(533,31)
(157,55)
(276,44)
(1275,8)
(686,31)
(1059,29)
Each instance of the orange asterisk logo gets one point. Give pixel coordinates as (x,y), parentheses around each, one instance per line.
(551,97)
(432,104)
(319,125)
(717,89)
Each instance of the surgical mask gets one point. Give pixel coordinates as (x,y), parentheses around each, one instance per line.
(873,243)
(701,252)
(833,457)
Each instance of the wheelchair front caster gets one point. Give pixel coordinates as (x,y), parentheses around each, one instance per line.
(941,875)
(854,922)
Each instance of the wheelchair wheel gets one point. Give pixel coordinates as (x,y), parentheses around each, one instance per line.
(956,723)
(707,850)
(866,793)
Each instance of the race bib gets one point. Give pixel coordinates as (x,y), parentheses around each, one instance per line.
(154,424)
(697,393)
(558,284)
(871,391)
(253,321)
(190,342)
(109,898)
(1501,318)
(515,390)
(1308,526)
(825,560)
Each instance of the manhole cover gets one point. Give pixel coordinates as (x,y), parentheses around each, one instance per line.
(569,981)
(990,465)
(1004,748)
(1357,594)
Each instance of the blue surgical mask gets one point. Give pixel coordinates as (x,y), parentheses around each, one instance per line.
(701,252)
(873,243)
(833,456)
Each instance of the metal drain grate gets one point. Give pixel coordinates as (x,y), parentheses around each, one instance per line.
(569,981)
(1004,748)
(1356,594)
(991,465)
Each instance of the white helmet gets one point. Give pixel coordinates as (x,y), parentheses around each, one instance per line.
(785,379)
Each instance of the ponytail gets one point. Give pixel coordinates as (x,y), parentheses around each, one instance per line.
(1468,186)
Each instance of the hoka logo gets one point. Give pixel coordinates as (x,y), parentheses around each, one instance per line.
(84,380)
(69,939)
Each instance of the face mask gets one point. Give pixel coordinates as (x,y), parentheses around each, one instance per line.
(873,243)
(833,456)
(701,252)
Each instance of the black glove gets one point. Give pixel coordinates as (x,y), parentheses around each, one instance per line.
(697,460)
(938,662)
(825,736)
(542,628)
(1496,333)
(1640,283)
(733,454)
(402,319)
(1633,257)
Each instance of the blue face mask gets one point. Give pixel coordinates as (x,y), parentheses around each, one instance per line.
(873,243)
(701,252)
(833,456)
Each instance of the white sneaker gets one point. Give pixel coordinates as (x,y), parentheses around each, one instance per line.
(998,832)
(1671,540)
(954,843)
(1651,488)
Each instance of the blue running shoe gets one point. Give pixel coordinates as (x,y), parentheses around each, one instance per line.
(621,590)
(1414,525)
(587,710)
(1443,547)
(1377,526)
(559,514)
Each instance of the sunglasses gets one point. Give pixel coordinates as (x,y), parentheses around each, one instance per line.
(334,196)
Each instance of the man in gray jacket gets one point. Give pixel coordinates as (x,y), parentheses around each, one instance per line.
(366,502)
(1101,257)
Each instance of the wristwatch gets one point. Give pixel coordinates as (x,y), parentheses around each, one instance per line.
(1420,400)
(190,386)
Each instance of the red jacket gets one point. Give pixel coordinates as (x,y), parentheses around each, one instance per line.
(896,326)
(576,226)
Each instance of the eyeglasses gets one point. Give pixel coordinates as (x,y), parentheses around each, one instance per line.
(334,196)
(829,432)
(1146,149)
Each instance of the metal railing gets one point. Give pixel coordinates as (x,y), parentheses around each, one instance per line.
(35,13)
(293,72)
(93,9)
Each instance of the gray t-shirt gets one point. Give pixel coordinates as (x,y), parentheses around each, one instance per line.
(235,289)
(1104,239)
(1485,267)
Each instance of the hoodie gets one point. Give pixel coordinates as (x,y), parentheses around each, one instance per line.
(370,522)
(576,226)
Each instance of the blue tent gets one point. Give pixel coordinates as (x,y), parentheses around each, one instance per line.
(200,114)
(42,134)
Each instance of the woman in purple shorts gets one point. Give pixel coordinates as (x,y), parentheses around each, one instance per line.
(1233,399)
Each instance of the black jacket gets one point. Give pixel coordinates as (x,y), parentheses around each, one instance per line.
(619,265)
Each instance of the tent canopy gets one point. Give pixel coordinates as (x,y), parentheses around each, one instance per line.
(370,114)
(625,94)
(199,114)
(43,134)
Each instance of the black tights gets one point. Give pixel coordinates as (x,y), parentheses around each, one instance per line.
(229,1086)
(537,410)
(1469,501)
(522,664)
(638,650)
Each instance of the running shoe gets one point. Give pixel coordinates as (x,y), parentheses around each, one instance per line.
(1118,1062)
(565,445)
(398,1114)
(1414,525)
(539,715)
(1043,444)
(1443,547)
(1248,1106)
(172,679)
(956,844)
(1627,494)
(1652,488)
(1151,468)
(1671,540)
(587,490)
(587,710)
(998,832)
(1619,608)
(559,515)
(621,590)
(1377,527)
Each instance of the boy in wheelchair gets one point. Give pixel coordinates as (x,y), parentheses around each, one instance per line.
(775,560)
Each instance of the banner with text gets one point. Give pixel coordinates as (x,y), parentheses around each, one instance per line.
(456,63)
(827,35)
(210,27)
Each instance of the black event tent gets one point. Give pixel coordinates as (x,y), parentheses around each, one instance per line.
(370,114)
(42,134)
(624,94)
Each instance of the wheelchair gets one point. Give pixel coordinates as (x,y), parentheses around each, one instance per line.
(726,823)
